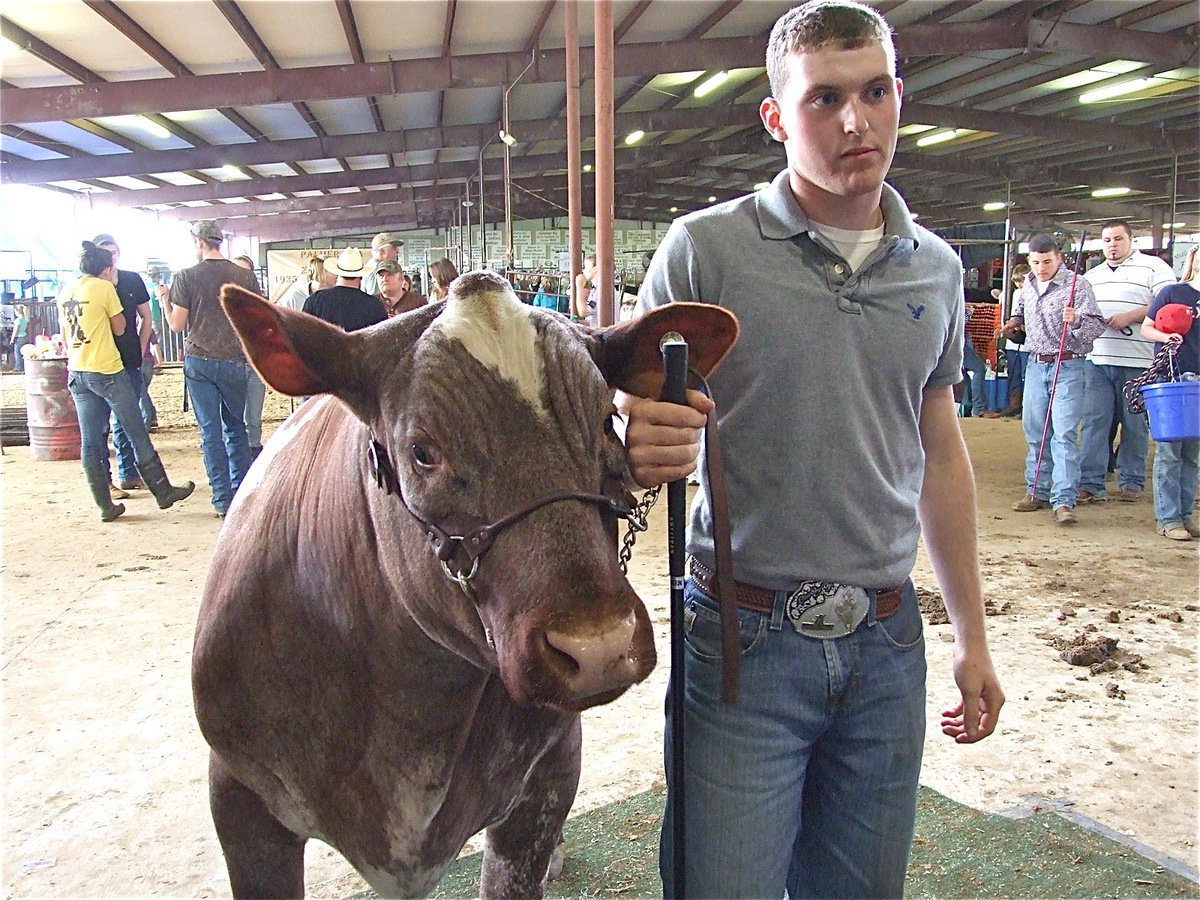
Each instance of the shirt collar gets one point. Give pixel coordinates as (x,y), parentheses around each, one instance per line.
(781,218)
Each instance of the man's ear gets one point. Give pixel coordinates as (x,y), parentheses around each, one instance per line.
(768,111)
(630,357)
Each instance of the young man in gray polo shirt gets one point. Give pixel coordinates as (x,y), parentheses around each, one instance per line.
(841,445)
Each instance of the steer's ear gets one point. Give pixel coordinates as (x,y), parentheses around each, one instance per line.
(629,356)
(299,355)
(288,348)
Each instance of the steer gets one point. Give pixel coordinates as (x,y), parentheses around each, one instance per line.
(415,592)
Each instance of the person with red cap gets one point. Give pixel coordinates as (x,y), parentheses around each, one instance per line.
(1169,321)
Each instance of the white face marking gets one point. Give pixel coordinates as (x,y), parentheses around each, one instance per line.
(497,329)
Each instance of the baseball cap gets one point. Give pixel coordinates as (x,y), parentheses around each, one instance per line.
(389,266)
(385,237)
(101,239)
(208,230)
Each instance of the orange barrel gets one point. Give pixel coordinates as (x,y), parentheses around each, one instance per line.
(53,427)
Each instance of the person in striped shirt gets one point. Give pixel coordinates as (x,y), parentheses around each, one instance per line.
(1124,284)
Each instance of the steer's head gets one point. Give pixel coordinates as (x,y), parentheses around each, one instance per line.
(485,408)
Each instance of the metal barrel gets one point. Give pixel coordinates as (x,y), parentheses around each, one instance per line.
(53,426)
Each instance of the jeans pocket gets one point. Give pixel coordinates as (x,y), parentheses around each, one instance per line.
(904,630)
(702,625)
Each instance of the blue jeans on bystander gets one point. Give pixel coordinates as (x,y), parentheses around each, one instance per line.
(809,783)
(1102,398)
(1175,474)
(126,463)
(96,396)
(256,394)
(1058,479)
(217,388)
(978,382)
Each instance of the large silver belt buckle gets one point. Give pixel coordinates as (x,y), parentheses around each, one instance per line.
(823,609)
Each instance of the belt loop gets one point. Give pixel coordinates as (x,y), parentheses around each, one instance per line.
(873,599)
(778,610)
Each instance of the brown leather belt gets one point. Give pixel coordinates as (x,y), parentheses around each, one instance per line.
(757,599)
(1051,357)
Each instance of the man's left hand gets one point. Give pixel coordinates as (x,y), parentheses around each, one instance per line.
(976,714)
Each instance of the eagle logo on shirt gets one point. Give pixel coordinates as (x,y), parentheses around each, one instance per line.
(916,311)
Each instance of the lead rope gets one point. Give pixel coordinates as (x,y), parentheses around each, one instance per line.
(1163,365)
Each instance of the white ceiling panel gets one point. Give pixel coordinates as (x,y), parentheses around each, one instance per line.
(408,30)
(299,32)
(278,121)
(210,126)
(72,29)
(207,45)
(344,116)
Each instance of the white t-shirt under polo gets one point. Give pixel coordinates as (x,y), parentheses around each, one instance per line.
(1134,282)
(855,246)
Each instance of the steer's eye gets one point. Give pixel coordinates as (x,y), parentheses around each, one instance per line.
(425,457)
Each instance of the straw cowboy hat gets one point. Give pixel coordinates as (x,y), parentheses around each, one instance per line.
(347,264)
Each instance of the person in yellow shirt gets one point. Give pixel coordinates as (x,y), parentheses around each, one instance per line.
(90,314)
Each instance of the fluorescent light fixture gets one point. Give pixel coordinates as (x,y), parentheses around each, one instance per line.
(634,136)
(906,130)
(149,125)
(587,167)
(1119,90)
(994,206)
(1101,193)
(508,138)
(468,203)
(942,137)
(673,209)
(232,171)
(1178,225)
(712,199)
(762,185)
(710,84)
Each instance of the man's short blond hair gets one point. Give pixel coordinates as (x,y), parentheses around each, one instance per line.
(820,23)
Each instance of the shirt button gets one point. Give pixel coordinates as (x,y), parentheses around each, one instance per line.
(840,269)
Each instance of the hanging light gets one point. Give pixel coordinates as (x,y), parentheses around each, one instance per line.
(710,84)
(634,136)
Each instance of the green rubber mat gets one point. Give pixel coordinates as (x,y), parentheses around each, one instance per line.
(958,852)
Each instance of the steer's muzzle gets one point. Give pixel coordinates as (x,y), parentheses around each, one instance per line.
(576,665)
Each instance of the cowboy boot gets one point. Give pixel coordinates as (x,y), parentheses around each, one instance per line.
(165,493)
(97,480)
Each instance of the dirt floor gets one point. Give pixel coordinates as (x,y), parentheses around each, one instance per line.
(104,769)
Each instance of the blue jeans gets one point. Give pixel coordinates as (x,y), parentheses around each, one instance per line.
(256,393)
(1175,469)
(96,397)
(217,388)
(1061,454)
(1017,361)
(978,369)
(126,464)
(149,411)
(809,783)
(1102,396)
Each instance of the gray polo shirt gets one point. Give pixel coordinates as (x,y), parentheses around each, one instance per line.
(820,400)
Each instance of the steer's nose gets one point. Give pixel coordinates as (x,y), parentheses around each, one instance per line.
(602,660)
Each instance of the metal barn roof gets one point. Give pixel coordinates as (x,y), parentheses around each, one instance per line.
(319,117)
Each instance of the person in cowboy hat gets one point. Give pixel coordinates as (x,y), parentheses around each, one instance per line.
(344,304)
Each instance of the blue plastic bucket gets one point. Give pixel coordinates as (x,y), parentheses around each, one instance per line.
(1174,409)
